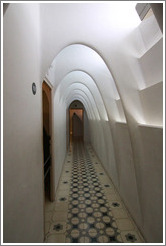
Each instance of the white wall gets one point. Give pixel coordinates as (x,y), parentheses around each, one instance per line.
(59,138)
(151,182)
(128,52)
(86,128)
(77,23)
(23,159)
(152,64)
(128,187)
(152,103)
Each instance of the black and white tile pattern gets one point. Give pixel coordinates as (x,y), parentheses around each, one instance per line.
(89,220)
(87,208)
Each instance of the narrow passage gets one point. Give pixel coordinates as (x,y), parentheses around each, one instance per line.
(87,208)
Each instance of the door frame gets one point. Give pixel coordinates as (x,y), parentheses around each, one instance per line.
(70,137)
(48,89)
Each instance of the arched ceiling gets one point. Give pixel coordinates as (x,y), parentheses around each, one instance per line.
(83,58)
(100,25)
(90,37)
(79,70)
(82,81)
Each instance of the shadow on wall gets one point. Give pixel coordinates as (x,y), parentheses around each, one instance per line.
(77,124)
(5,6)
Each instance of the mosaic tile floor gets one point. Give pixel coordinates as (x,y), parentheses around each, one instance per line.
(87,208)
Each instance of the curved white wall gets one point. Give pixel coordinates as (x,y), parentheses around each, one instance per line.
(96,53)
(107,76)
(22,132)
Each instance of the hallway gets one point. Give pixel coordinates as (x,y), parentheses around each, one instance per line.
(87,208)
(92,70)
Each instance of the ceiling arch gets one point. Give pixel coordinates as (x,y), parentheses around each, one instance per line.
(87,81)
(80,63)
(89,100)
(85,90)
(90,114)
(81,57)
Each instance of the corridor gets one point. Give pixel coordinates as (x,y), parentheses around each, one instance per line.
(93,70)
(87,208)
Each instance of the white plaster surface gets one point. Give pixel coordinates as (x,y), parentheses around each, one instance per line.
(22,156)
(95,54)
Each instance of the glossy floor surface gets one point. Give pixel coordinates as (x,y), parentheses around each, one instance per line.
(87,208)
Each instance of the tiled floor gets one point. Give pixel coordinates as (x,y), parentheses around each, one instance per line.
(87,208)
